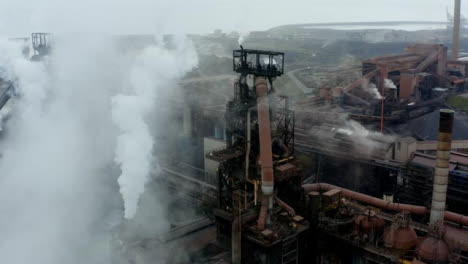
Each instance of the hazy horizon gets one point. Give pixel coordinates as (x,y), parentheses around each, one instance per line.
(25,16)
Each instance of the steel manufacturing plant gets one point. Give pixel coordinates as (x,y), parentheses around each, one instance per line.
(326,142)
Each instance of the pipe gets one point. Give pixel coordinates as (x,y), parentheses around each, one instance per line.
(266,155)
(456,30)
(459,81)
(366,198)
(265,136)
(456,238)
(439,192)
(285,206)
(247,152)
(236,224)
(236,236)
(415,209)
(263,213)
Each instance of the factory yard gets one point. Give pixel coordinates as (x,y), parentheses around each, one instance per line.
(324,142)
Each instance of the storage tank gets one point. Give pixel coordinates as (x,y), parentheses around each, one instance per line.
(400,235)
(368,226)
(433,249)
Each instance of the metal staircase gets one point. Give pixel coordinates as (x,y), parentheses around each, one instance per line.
(289,251)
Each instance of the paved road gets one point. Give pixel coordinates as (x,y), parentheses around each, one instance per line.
(305,89)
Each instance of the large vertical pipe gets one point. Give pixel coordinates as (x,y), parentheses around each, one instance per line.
(442,64)
(456,30)
(187,119)
(439,192)
(266,155)
(383,76)
(236,241)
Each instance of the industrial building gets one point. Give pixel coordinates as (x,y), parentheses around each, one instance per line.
(328,178)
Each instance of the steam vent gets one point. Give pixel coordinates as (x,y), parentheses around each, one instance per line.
(290,134)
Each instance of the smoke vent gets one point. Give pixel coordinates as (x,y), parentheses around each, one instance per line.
(439,193)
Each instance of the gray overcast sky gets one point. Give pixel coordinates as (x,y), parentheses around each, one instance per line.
(19,17)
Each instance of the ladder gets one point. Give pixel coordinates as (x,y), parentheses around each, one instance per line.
(289,251)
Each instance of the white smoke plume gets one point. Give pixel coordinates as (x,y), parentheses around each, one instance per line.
(371,89)
(59,190)
(389,84)
(56,186)
(242,37)
(155,70)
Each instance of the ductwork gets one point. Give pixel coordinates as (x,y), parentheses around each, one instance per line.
(316,187)
(414,209)
(266,155)
(285,206)
(439,192)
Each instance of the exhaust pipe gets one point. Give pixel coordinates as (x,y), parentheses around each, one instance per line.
(439,192)
(456,30)
(266,155)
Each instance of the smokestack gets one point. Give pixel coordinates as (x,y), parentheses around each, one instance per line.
(439,193)
(456,30)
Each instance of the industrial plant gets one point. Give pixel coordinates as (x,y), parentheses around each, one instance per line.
(299,144)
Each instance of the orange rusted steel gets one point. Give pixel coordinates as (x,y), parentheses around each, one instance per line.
(366,198)
(263,214)
(245,219)
(415,209)
(457,238)
(266,155)
(285,206)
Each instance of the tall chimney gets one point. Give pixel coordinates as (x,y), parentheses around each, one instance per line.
(456,30)
(439,192)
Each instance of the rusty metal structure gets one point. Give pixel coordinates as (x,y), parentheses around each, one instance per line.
(409,85)
(41,44)
(258,175)
(270,207)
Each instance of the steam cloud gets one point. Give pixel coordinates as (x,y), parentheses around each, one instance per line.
(389,84)
(242,37)
(77,115)
(155,70)
(371,89)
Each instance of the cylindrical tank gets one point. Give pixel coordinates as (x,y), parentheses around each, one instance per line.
(400,238)
(368,226)
(400,235)
(433,250)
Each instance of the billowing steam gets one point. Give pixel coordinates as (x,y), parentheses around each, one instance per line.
(56,186)
(242,37)
(371,89)
(75,117)
(154,71)
(389,84)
